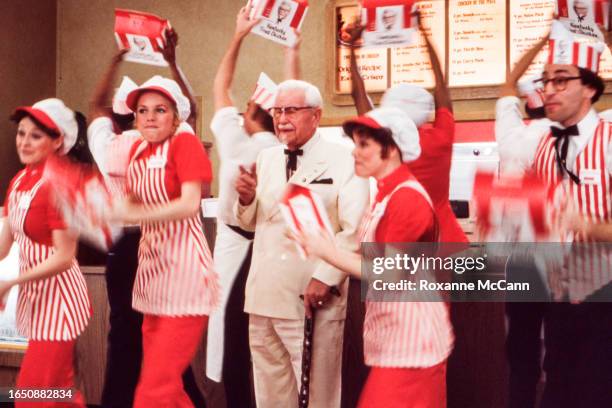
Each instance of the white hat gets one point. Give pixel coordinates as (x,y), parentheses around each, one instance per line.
(564,49)
(53,114)
(168,88)
(414,100)
(119,99)
(403,130)
(264,92)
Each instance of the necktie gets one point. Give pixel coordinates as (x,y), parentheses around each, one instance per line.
(292,161)
(561,146)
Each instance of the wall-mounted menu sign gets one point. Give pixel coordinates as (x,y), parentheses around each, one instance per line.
(529,23)
(477,52)
(477,44)
(372,63)
(411,64)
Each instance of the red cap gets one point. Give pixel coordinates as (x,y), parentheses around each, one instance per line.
(133,96)
(39,115)
(367,121)
(167,87)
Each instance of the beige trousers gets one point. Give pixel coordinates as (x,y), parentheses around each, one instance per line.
(276,350)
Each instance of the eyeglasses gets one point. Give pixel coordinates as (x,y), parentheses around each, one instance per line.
(287,110)
(558,83)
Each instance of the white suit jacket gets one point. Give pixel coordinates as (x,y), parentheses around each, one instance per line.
(278,276)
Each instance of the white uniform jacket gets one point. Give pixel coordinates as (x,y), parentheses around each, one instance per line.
(278,276)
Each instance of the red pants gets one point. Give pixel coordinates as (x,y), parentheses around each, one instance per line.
(168,346)
(405,388)
(48,364)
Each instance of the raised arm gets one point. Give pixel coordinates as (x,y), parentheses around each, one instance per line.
(516,141)
(607,36)
(225,73)
(169,53)
(362,101)
(102,93)
(510,87)
(441,93)
(292,58)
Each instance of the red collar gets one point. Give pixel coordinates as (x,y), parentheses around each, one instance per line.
(387,184)
(35,169)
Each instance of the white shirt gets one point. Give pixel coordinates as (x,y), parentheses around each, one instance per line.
(111,151)
(518,142)
(235,148)
(306,147)
(100,136)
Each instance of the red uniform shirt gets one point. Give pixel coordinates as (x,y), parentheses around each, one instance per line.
(432,170)
(402,222)
(175,276)
(187,161)
(405,334)
(43,216)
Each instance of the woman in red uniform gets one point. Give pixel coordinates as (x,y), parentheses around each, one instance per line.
(175,287)
(405,343)
(432,168)
(53,307)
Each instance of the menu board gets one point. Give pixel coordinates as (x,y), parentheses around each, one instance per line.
(477,42)
(372,63)
(529,22)
(411,64)
(481,48)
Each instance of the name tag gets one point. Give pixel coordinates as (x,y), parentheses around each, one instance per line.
(24,202)
(590,177)
(156,162)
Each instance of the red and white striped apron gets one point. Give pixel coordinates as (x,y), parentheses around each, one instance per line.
(175,274)
(117,160)
(52,309)
(403,334)
(587,268)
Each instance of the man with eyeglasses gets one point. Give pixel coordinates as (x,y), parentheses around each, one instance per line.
(575,152)
(524,319)
(239,139)
(278,275)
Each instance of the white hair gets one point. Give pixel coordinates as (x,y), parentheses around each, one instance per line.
(312,96)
